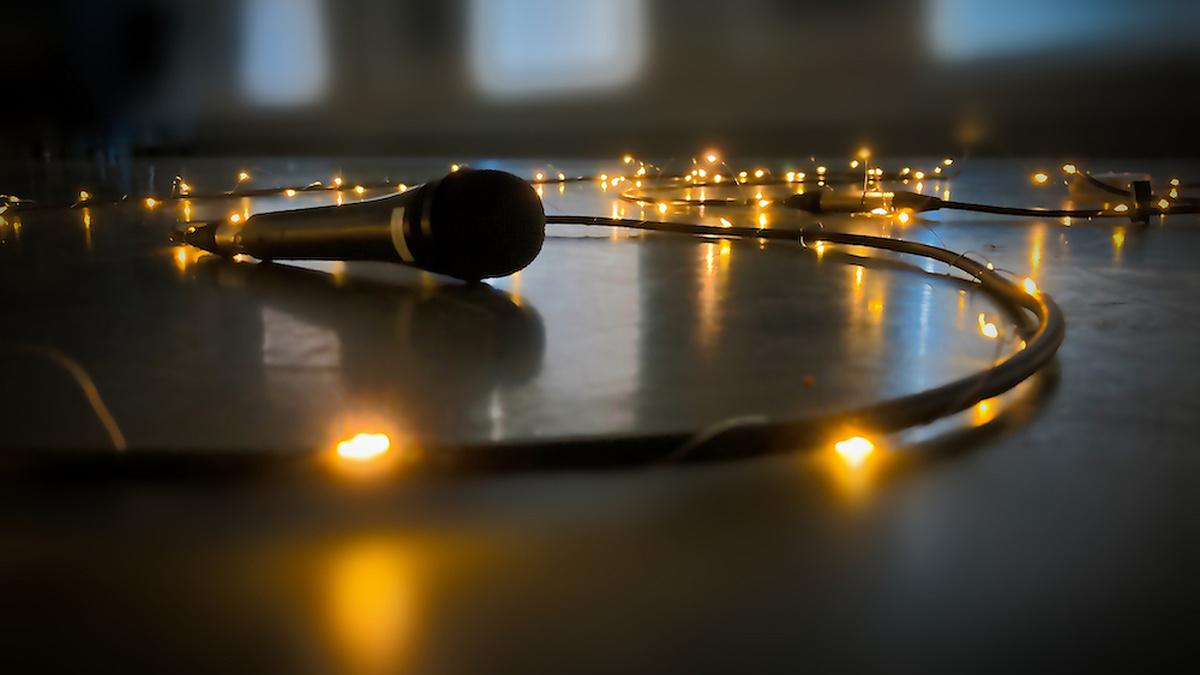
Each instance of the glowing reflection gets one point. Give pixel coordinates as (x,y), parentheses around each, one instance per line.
(712,288)
(1118,239)
(1035,255)
(87,227)
(369,588)
(1030,286)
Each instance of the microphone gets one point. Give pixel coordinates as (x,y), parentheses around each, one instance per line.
(470,225)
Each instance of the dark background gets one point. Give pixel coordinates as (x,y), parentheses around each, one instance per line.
(544,77)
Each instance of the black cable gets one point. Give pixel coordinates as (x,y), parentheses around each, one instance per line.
(742,437)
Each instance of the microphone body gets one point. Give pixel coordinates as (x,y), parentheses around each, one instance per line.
(470,225)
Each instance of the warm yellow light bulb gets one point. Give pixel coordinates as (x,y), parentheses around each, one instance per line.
(903,217)
(1175,182)
(1162,203)
(455,167)
(359,189)
(758,173)
(1069,168)
(854,451)
(1030,285)
(235,217)
(364,447)
(150,202)
(603,178)
(243,176)
(854,164)
(947,161)
(764,202)
(562,176)
(726,223)
(920,175)
(84,196)
(290,192)
(337,180)
(703,173)
(762,220)
(1120,208)
(1040,177)
(539,176)
(988,328)
(864,153)
(402,187)
(820,169)
(712,158)
(662,208)
(628,159)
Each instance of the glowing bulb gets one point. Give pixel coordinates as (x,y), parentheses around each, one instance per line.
(1173,194)
(364,447)
(1069,168)
(150,202)
(337,180)
(615,181)
(791,176)
(854,451)
(716,179)
(402,187)
(947,161)
(758,173)
(603,178)
(628,159)
(235,217)
(1120,208)
(1031,287)
(641,172)
(920,175)
(712,158)
(184,188)
(703,173)
(764,202)
(1175,182)
(937,169)
(662,208)
(290,192)
(243,176)
(1162,203)
(854,164)
(562,176)
(84,196)
(988,328)
(742,175)
(903,217)
(990,266)
(539,176)
(905,171)
(454,167)
(864,153)
(762,220)
(880,211)
(359,189)
(1040,177)
(799,176)
(726,223)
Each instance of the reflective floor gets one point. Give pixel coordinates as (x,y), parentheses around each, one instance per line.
(1044,530)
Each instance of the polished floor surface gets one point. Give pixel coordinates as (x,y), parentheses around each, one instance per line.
(1044,530)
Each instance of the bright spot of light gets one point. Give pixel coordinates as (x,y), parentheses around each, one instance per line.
(987,328)
(854,451)
(1031,287)
(364,447)
(1040,177)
